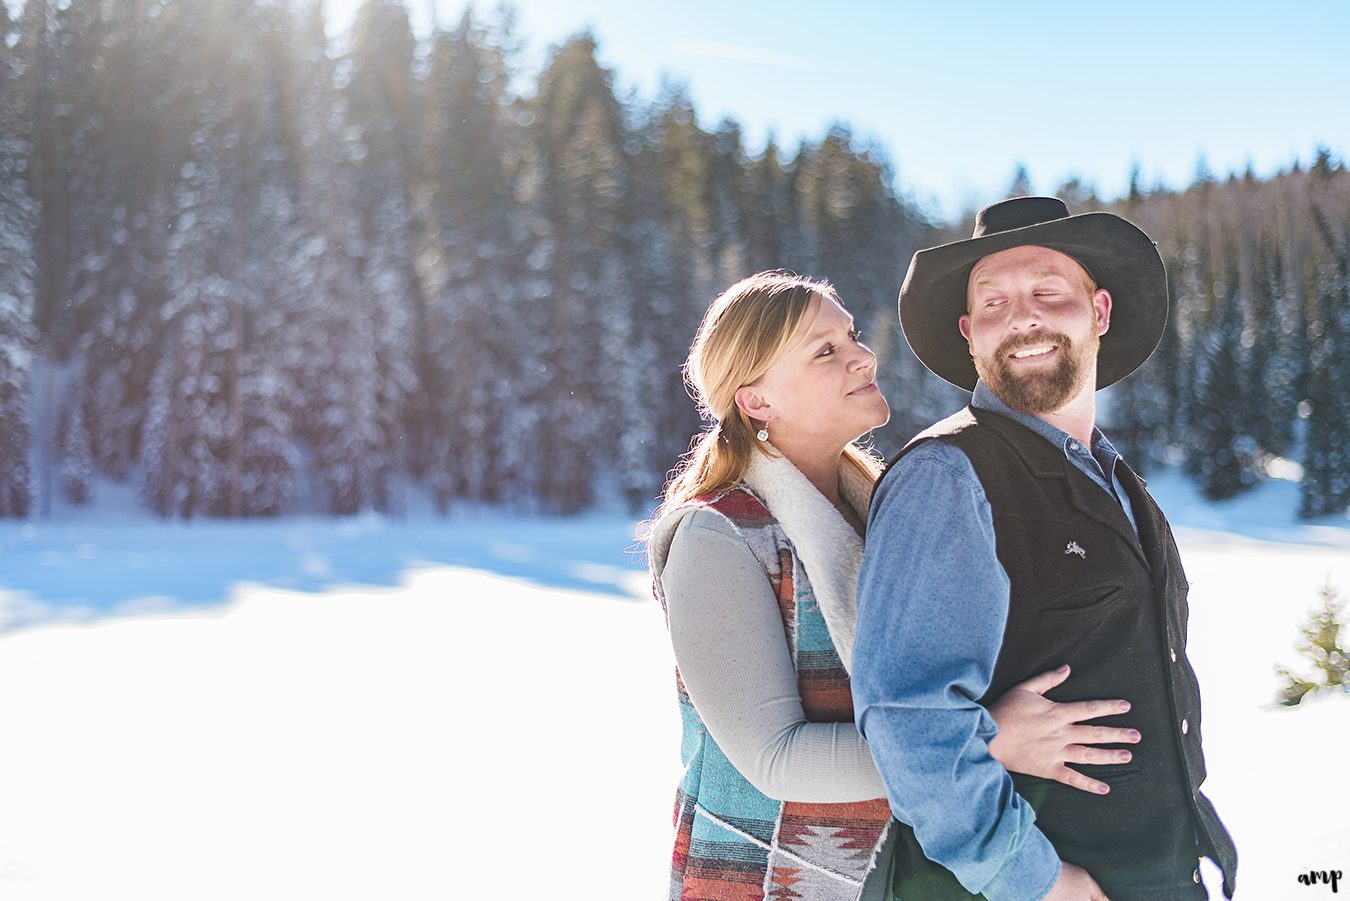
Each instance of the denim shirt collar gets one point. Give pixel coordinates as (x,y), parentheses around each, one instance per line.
(1102,454)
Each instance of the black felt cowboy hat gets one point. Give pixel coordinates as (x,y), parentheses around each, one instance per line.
(1118,256)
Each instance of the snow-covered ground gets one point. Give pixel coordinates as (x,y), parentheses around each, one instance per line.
(483,707)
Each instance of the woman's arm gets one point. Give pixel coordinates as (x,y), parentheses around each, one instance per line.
(734,659)
(727,633)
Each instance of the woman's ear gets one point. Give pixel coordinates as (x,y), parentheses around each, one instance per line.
(753,404)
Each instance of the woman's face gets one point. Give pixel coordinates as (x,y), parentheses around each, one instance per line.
(821,391)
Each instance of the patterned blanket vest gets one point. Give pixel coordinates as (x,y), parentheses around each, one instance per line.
(731,840)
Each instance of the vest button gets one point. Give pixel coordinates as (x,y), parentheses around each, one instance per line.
(1195,876)
(1185,727)
(1173,652)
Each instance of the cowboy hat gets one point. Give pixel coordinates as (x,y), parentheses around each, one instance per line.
(1118,256)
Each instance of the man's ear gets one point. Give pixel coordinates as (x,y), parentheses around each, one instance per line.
(753,404)
(1101,307)
(964,325)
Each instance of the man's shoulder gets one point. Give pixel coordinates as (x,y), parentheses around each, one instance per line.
(930,460)
(950,440)
(946,429)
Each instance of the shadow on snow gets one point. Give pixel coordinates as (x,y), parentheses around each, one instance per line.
(90,568)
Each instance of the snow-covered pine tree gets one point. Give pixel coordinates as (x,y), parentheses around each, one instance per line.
(1192,294)
(181,471)
(336,411)
(727,204)
(684,163)
(767,210)
(223,438)
(1326,461)
(467,262)
(579,133)
(118,283)
(384,127)
(1140,409)
(665,316)
(76,458)
(17,217)
(1219,453)
(1277,351)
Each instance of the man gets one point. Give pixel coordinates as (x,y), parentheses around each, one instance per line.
(1010,539)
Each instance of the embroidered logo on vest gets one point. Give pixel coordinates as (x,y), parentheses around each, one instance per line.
(1076,548)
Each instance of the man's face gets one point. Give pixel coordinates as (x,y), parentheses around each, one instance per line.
(1033,324)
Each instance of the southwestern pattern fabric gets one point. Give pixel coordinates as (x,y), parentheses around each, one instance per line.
(732,841)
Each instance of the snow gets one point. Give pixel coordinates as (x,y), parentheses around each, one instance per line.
(483,707)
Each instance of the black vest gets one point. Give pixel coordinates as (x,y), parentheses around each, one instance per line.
(1087,591)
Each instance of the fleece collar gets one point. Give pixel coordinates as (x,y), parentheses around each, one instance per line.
(830,550)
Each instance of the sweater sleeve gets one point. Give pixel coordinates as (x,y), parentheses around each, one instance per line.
(733,656)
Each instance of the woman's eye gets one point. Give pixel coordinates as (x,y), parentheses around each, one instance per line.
(829,349)
(856,335)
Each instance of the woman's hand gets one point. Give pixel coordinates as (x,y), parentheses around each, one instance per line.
(1074,884)
(1038,736)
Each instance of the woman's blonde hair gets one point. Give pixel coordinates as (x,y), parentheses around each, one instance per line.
(743,333)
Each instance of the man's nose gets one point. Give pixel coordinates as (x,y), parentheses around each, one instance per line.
(1022,314)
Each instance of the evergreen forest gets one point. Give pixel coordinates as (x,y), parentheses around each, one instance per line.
(252,272)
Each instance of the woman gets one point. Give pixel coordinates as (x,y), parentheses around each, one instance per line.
(754,555)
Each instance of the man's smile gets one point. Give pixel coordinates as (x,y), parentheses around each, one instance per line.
(1038,350)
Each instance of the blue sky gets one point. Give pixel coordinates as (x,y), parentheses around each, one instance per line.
(958,94)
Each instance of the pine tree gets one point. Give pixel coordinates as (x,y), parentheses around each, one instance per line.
(579,135)
(386,116)
(1220,451)
(727,201)
(670,274)
(120,282)
(1191,278)
(337,411)
(1326,463)
(767,219)
(472,247)
(224,444)
(1276,353)
(1321,644)
(76,455)
(1139,411)
(1134,193)
(16,293)
(1021,182)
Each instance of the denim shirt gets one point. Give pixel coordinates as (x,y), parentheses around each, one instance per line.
(932,605)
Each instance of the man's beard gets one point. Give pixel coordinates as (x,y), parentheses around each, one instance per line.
(1045,389)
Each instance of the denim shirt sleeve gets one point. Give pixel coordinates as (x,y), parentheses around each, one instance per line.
(932,604)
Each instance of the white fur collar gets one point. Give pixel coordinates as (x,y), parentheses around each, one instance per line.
(830,550)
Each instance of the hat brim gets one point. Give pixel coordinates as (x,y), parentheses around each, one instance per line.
(1120,257)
